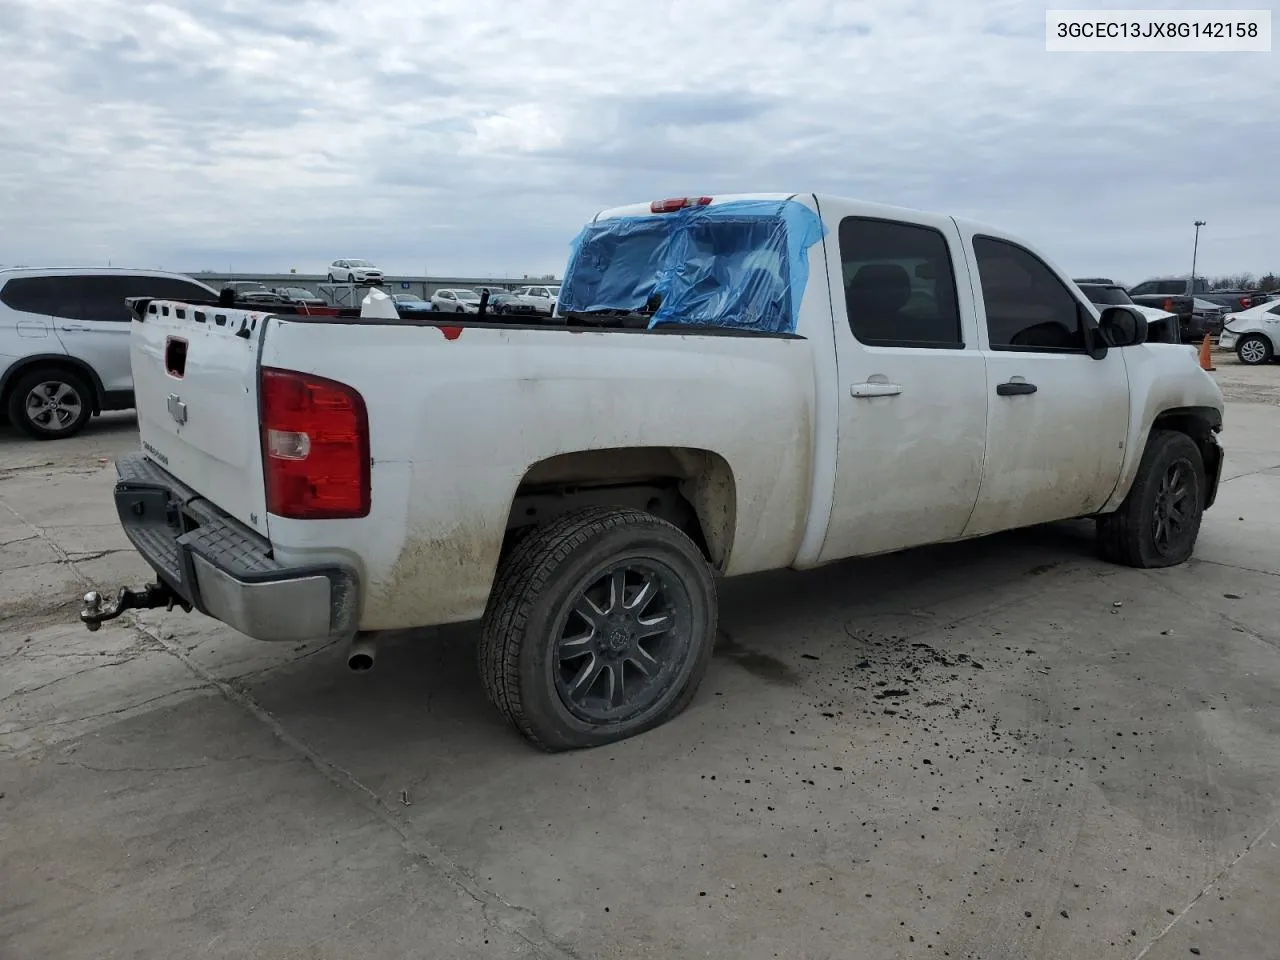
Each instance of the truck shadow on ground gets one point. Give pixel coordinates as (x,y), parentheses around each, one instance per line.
(424,697)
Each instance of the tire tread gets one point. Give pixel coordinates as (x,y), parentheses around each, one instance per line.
(1120,534)
(521,578)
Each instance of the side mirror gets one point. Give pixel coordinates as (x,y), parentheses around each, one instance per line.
(1122,327)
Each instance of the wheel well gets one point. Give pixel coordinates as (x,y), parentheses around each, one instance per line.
(52,362)
(1200,424)
(690,488)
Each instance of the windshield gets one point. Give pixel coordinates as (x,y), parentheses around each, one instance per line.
(405,298)
(359,263)
(469,296)
(1105,296)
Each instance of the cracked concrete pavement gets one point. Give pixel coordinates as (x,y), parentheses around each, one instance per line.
(998,749)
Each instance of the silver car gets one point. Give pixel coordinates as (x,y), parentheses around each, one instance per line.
(64,342)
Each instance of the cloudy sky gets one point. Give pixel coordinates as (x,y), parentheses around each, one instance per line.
(475,137)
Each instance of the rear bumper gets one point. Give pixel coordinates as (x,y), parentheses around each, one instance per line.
(224,569)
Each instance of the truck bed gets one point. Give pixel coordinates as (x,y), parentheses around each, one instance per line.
(452,438)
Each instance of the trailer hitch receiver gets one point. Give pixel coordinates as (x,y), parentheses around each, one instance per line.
(95,613)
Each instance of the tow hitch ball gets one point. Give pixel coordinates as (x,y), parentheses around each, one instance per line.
(153,595)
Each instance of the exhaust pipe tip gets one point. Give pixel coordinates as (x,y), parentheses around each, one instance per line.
(362,654)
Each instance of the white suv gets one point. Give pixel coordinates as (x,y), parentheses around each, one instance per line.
(540,298)
(64,342)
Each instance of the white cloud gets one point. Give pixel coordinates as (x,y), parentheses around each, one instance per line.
(478,136)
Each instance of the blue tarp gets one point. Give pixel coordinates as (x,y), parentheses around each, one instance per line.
(740,264)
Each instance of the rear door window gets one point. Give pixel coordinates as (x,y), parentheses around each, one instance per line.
(167,288)
(94,299)
(899,284)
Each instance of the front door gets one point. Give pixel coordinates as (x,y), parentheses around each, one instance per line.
(911,382)
(1057,418)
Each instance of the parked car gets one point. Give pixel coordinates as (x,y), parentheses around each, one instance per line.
(1101,292)
(64,342)
(411,303)
(354,271)
(1178,295)
(1254,334)
(1207,315)
(542,298)
(456,301)
(1173,296)
(579,494)
(301,295)
(252,291)
(504,304)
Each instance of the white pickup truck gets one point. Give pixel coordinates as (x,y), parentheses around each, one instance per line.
(730,385)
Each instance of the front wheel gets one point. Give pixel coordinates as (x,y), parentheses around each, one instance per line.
(1159,521)
(50,404)
(329,277)
(1254,349)
(600,627)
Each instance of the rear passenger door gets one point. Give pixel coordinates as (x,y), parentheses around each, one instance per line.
(1057,418)
(911,382)
(92,322)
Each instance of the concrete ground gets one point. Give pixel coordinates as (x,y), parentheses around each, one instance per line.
(1000,749)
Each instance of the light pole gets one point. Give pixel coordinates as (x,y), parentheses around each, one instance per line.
(1194,251)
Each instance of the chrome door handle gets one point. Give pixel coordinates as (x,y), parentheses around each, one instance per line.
(875,388)
(73,328)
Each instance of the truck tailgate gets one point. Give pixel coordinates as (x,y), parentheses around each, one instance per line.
(195,375)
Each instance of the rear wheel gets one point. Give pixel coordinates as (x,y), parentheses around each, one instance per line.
(600,627)
(49,404)
(1254,349)
(1159,521)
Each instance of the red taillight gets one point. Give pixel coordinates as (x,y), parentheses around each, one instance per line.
(677,203)
(1168,305)
(315,447)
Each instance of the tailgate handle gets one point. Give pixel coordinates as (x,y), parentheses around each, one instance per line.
(175,357)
